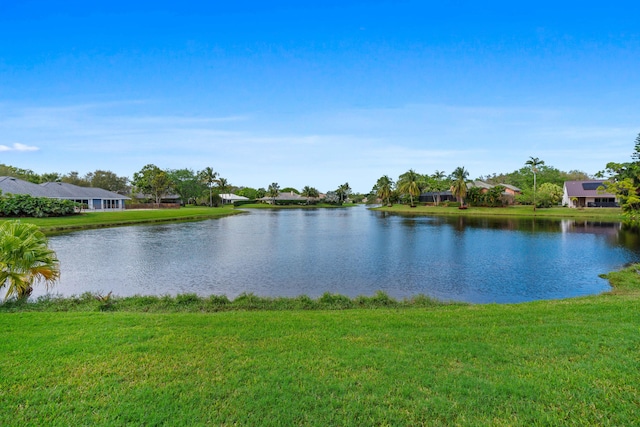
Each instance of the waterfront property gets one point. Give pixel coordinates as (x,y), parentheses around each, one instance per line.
(580,194)
(229,198)
(509,193)
(94,199)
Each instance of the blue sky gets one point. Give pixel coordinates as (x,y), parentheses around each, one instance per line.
(317,93)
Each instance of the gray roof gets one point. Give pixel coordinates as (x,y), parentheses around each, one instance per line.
(13,185)
(55,190)
(286,196)
(585,188)
(62,190)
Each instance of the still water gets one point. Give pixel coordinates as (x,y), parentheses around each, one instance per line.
(351,251)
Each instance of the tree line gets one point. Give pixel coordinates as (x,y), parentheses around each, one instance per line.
(540,185)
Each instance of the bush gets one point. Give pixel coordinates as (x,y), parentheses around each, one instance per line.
(23,205)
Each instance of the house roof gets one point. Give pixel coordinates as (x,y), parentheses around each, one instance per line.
(231,196)
(9,184)
(286,196)
(63,190)
(55,190)
(585,188)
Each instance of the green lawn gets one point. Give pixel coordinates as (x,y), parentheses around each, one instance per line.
(565,362)
(597,214)
(127,217)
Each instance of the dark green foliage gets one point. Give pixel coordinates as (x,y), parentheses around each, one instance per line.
(191,302)
(23,205)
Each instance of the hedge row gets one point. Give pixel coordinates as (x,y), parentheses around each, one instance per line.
(23,205)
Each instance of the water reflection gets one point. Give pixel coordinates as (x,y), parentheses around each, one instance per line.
(349,251)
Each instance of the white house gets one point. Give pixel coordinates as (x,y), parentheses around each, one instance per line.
(95,199)
(229,198)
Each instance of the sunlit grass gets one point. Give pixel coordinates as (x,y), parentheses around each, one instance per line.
(602,214)
(564,362)
(127,217)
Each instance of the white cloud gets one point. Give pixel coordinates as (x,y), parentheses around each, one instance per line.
(18,147)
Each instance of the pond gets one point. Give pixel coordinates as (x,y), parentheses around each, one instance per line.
(350,251)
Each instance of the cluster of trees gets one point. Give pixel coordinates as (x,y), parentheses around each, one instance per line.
(623,180)
(541,185)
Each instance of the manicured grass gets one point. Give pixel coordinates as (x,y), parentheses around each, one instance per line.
(597,214)
(128,217)
(564,362)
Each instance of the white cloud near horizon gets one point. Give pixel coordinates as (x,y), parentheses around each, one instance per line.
(18,147)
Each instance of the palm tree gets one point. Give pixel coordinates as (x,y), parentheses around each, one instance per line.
(310,193)
(459,184)
(208,178)
(273,191)
(409,183)
(438,184)
(223,185)
(384,187)
(25,259)
(343,192)
(534,162)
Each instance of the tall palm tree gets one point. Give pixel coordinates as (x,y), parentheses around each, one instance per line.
(343,192)
(459,184)
(409,183)
(534,162)
(438,184)
(223,185)
(310,193)
(273,191)
(25,258)
(208,177)
(384,187)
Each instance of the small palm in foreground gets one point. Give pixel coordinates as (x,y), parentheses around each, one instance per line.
(25,258)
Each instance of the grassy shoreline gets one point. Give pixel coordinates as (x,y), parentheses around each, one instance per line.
(91,220)
(559,362)
(595,214)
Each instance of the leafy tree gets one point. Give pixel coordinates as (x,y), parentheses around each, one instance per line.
(459,183)
(410,183)
(209,178)
(154,181)
(273,191)
(384,188)
(534,162)
(50,177)
(109,181)
(24,174)
(75,179)
(549,195)
(343,192)
(261,192)
(249,193)
(289,190)
(186,184)
(25,258)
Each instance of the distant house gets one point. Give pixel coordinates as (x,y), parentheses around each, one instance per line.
(288,197)
(229,198)
(581,194)
(95,199)
(509,192)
